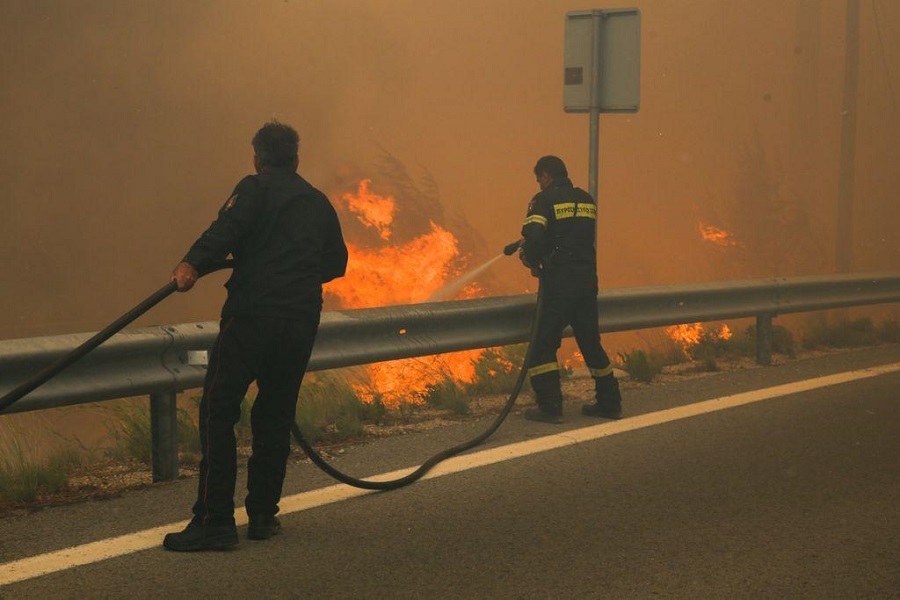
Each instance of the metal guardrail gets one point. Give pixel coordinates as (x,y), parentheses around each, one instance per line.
(157,360)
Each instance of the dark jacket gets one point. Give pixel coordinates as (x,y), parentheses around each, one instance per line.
(286,241)
(559,234)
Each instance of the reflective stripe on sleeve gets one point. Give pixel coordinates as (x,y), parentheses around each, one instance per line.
(542,221)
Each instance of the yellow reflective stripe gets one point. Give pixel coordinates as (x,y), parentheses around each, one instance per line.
(567,209)
(587,210)
(536,219)
(601,372)
(544,368)
(564,211)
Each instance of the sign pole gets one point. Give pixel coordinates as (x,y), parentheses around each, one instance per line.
(602,72)
(594,161)
(594,129)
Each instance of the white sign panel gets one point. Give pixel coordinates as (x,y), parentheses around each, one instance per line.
(602,60)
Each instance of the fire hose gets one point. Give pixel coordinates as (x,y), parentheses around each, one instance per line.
(64,362)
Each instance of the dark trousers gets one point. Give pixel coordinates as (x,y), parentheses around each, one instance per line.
(274,353)
(559,311)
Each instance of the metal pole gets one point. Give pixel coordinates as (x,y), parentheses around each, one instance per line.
(592,177)
(594,142)
(164,433)
(593,151)
(764,339)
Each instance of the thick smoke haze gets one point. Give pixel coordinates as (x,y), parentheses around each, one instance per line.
(126,125)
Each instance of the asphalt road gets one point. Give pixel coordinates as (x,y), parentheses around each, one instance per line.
(792,496)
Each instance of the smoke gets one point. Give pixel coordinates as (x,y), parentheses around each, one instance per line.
(127,124)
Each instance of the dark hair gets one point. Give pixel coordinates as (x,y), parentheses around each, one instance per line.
(552,166)
(276,145)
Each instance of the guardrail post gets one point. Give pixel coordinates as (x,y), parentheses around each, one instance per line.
(764,339)
(164,433)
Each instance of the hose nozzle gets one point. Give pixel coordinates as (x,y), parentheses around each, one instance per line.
(510,249)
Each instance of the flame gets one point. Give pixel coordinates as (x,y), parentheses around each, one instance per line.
(409,381)
(574,360)
(401,274)
(717,236)
(397,274)
(371,209)
(688,335)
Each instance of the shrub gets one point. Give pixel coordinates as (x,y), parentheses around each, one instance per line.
(24,478)
(497,370)
(782,340)
(448,395)
(889,331)
(640,366)
(243,431)
(130,433)
(188,436)
(843,334)
(714,345)
(329,408)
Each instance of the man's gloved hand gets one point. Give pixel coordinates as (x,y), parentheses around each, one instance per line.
(185,276)
(535,269)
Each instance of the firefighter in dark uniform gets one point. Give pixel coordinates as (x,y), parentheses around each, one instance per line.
(286,241)
(559,244)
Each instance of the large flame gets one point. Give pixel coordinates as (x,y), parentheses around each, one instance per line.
(401,274)
(397,274)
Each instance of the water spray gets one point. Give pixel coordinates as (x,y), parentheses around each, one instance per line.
(451,289)
(64,362)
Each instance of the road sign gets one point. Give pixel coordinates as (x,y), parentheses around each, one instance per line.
(602,61)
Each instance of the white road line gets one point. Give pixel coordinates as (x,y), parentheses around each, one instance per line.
(35,566)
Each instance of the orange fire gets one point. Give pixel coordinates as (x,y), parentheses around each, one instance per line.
(717,236)
(575,359)
(401,274)
(688,335)
(371,209)
(397,274)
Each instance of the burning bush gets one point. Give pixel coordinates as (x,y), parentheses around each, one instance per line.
(392,262)
(694,339)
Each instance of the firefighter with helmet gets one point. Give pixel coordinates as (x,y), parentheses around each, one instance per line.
(559,244)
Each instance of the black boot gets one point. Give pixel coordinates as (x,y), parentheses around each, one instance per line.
(542,416)
(608,404)
(196,537)
(262,527)
(549,399)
